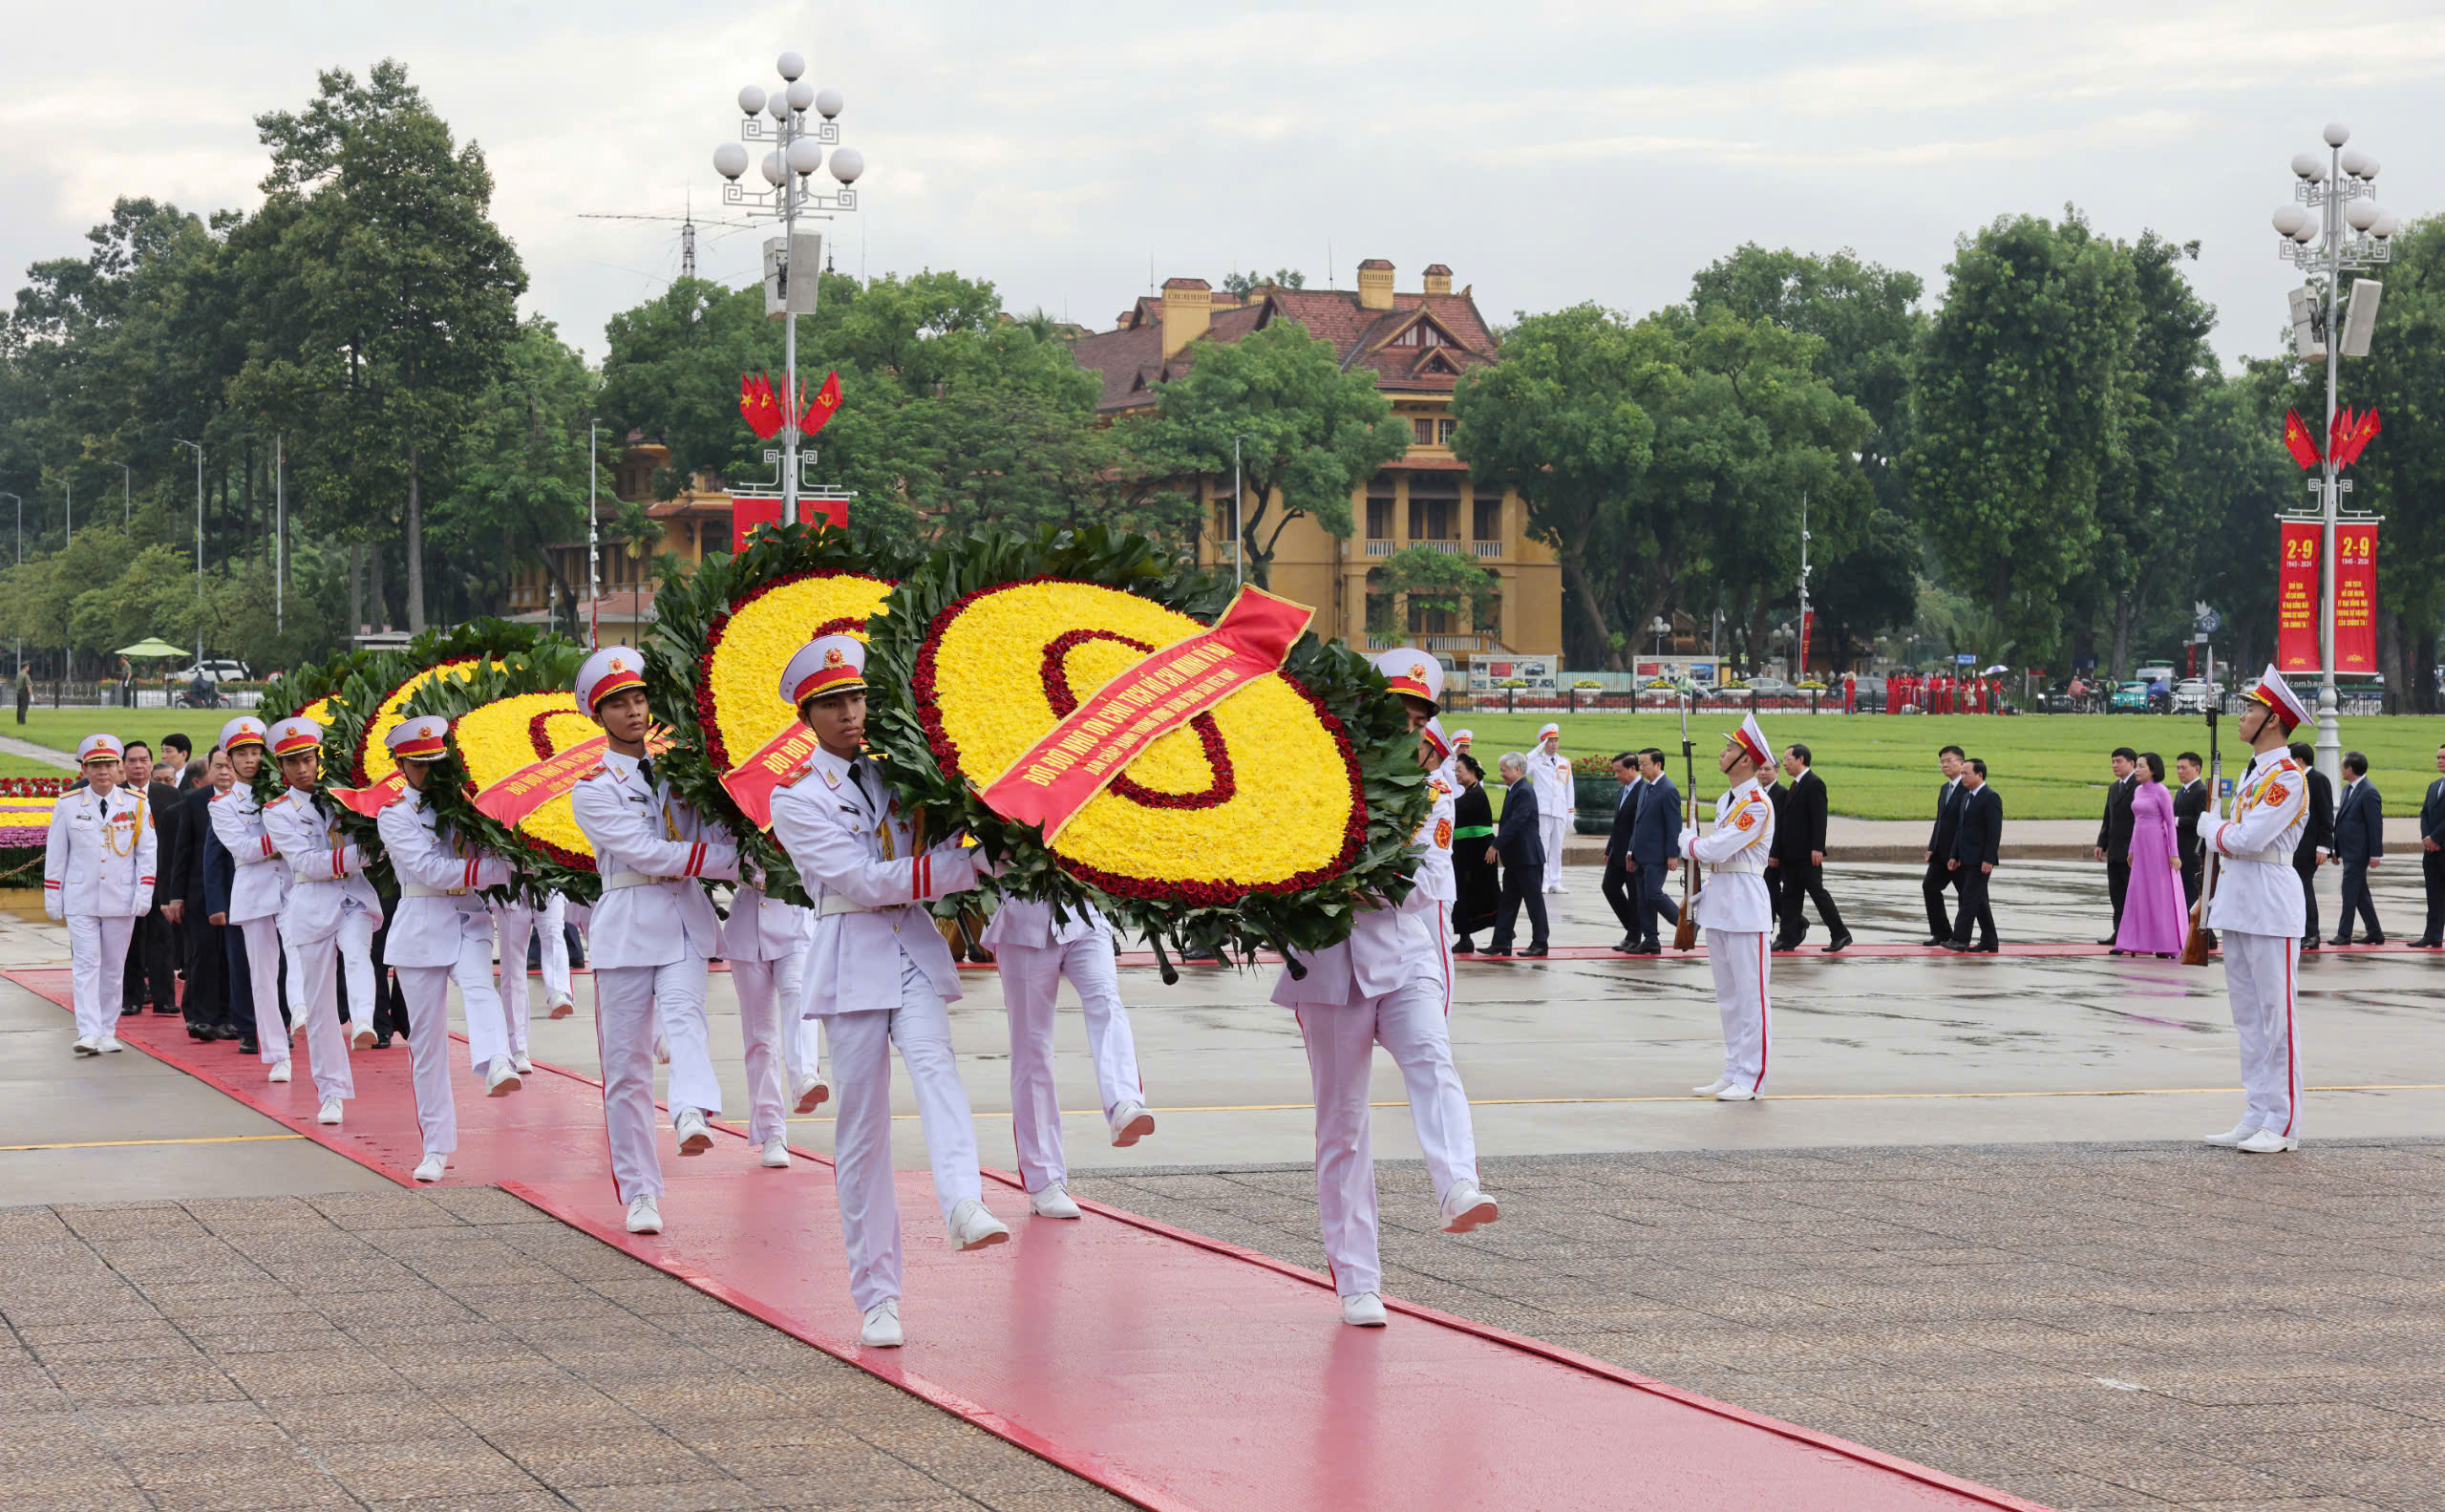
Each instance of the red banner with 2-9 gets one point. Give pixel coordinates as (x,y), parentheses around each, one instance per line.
(2355,598)
(2296,598)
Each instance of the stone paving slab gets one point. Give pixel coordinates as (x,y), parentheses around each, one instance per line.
(452,1348)
(2083,1325)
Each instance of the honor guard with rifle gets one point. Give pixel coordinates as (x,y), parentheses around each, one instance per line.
(1734,910)
(2252,900)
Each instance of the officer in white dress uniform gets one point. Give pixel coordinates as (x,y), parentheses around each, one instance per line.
(1555,799)
(1388,984)
(1034,953)
(258,885)
(1436,877)
(441,932)
(657,932)
(1736,912)
(98,869)
(765,941)
(879,974)
(2258,915)
(328,921)
(543,918)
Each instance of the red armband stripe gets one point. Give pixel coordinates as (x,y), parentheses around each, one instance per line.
(267,850)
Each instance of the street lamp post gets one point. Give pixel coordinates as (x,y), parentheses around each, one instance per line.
(127,493)
(593,547)
(198,447)
(1236,439)
(796,151)
(2333,226)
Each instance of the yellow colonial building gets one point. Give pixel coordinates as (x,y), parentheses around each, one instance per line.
(1417,345)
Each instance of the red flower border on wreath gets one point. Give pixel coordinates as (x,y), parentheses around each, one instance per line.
(356,763)
(714,750)
(1054,673)
(1201,894)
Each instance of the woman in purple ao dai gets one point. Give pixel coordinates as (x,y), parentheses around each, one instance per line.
(2155,919)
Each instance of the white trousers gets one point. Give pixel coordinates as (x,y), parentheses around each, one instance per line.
(2259,973)
(1551,828)
(1340,1052)
(769,1022)
(97,953)
(627,1002)
(861,1045)
(1031,982)
(1739,961)
(314,996)
(427,990)
(679,1019)
(517,923)
(801,1048)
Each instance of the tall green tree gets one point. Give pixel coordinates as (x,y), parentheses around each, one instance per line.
(516,480)
(1307,431)
(2402,473)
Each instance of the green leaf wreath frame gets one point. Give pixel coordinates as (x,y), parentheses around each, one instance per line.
(551,667)
(1341,681)
(688,612)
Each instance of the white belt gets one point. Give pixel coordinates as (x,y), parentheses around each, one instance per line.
(417,889)
(2273,856)
(632,879)
(834,903)
(1736,868)
(314,881)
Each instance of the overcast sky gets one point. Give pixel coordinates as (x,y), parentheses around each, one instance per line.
(1550,151)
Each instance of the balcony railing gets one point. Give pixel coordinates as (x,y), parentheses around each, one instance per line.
(1434,642)
(1488,549)
(1381,548)
(1449,548)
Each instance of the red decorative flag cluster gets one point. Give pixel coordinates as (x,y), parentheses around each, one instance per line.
(2351,435)
(2297,441)
(758,406)
(812,418)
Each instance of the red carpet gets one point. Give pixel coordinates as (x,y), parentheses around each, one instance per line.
(1176,1371)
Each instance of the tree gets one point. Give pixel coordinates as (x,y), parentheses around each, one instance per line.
(1241,285)
(1308,431)
(2023,387)
(1439,582)
(516,480)
(2232,454)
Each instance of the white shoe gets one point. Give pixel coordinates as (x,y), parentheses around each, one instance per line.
(429,1169)
(2229,1140)
(1131,1123)
(776,1154)
(86,1046)
(111,1045)
(502,1079)
(2266,1141)
(329,1111)
(280,1070)
(660,1051)
(973,1227)
(1053,1201)
(360,1035)
(1731,1094)
(559,1006)
(1466,1209)
(812,1093)
(694,1137)
(645,1216)
(1364,1310)
(524,1063)
(1712,1087)
(880,1329)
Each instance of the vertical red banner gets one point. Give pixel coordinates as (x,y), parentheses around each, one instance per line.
(1807,622)
(2296,598)
(2355,599)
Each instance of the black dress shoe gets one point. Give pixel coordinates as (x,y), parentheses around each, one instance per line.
(1836,944)
(1534,950)
(1957,946)
(1937,941)
(2341,939)
(194,1032)
(381,1042)
(1991,947)
(1648,947)
(247,1047)
(1496,949)
(1463,946)
(2310,946)
(2428,944)
(2374,939)
(1785,946)
(2109,939)
(169,1011)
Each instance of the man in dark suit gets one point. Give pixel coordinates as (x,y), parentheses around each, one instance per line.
(2317,837)
(2114,833)
(2431,858)
(1977,844)
(1777,797)
(151,975)
(1939,873)
(2359,844)
(1522,852)
(2190,804)
(1652,841)
(1802,845)
(1620,886)
(202,955)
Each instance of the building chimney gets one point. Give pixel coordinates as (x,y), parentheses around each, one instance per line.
(1188,306)
(1376,284)
(1439,279)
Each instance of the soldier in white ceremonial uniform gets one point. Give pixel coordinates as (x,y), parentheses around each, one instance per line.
(258,887)
(1737,914)
(441,932)
(327,922)
(878,975)
(653,933)
(1555,798)
(98,870)
(1436,877)
(1388,984)
(542,917)
(765,941)
(1034,952)
(2259,914)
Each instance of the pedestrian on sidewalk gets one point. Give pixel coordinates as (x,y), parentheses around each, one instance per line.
(203,950)
(1519,845)
(2190,805)
(1803,856)
(2257,913)
(1977,848)
(2114,832)
(2315,847)
(1476,875)
(151,976)
(1620,886)
(2155,918)
(25,691)
(1940,873)
(1555,798)
(97,875)
(2359,844)
(1733,911)
(1654,850)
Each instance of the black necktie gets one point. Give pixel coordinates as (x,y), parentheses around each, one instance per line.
(322,803)
(858,776)
(644,769)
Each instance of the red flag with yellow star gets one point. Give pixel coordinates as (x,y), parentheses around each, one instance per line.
(813,413)
(758,407)
(2297,439)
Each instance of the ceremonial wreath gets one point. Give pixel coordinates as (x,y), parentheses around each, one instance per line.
(310,691)
(1112,727)
(721,637)
(518,745)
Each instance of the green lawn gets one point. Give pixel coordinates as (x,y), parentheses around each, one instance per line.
(61,729)
(1878,766)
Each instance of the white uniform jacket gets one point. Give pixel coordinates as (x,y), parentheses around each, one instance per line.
(260,883)
(857,858)
(1434,845)
(1735,854)
(2257,890)
(763,928)
(1555,795)
(97,860)
(1027,923)
(650,848)
(440,906)
(326,871)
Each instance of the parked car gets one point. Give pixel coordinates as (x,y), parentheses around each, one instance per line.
(1869,695)
(1769,688)
(2193,696)
(222,671)
(2155,673)
(2131,699)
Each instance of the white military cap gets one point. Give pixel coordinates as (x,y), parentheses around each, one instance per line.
(1412,671)
(828,664)
(245,730)
(1433,730)
(1752,739)
(614,669)
(2277,694)
(1548,728)
(424,738)
(100,748)
(294,734)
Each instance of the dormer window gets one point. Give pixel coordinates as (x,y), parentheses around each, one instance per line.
(1421,334)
